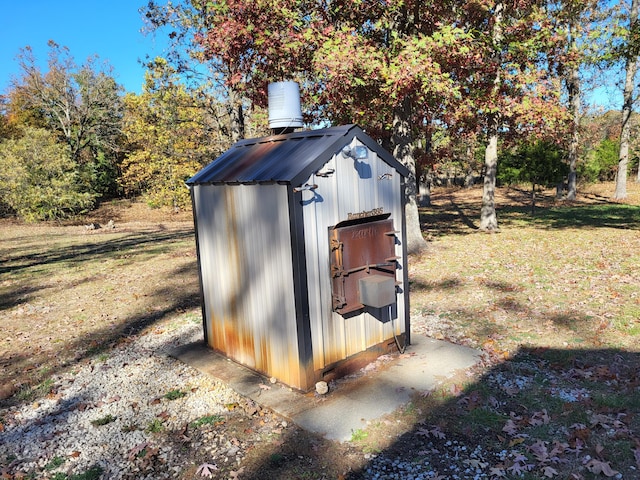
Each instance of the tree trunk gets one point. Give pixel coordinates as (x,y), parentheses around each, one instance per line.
(425,189)
(403,151)
(533,198)
(488,217)
(236,117)
(627,106)
(468,179)
(573,88)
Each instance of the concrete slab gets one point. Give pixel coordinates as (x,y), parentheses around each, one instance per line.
(352,401)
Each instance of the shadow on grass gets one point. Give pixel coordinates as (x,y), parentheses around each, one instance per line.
(122,247)
(447,284)
(28,274)
(526,315)
(536,413)
(542,413)
(590,216)
(535,410)
(455,216)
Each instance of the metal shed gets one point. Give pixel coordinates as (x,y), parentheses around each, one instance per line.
(302,253)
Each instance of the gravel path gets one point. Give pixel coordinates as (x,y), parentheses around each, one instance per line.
(105,412)
(103,418)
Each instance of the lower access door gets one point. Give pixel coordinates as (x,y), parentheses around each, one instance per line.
(363,264)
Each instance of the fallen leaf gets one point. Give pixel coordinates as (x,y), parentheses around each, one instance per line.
(510,427)
(539,418)
(539,450)
(455,389)
(517,468)
(497,472)
(206,469)
(597,467)
(137,450)
(474,463)
(516,441)
(236,473)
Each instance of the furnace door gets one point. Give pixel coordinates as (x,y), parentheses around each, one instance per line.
(359,249)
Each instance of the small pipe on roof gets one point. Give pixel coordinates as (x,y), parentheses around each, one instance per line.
(285,114)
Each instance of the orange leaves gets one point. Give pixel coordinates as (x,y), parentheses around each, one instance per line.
(495,351)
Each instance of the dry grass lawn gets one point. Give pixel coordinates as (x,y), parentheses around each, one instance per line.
(553,297)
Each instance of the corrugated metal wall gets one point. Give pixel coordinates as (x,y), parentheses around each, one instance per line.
(355,186)
(244,245)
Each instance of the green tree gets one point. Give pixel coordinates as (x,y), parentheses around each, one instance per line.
(169,139)
(601,163)
(582,31)
(541,163)
(510,94)
(39,179)
(82,104)
(201,76)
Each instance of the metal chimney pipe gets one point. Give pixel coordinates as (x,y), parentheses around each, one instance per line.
(285,114)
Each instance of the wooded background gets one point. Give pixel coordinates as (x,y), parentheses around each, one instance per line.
(460,92)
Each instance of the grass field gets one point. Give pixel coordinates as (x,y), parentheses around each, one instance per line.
(553,300)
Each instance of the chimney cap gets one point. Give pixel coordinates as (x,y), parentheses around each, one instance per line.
(285,113)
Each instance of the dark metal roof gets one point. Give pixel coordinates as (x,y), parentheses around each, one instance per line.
(289,158)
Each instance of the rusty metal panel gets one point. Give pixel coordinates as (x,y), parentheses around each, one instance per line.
(246,270)
(277,158)
(357,251)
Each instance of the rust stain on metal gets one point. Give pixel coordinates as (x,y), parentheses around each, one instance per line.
(358,250)
(238,341)
(357,361)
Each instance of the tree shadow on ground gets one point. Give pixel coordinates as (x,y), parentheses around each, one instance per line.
(95,251)
(23,370)
(542,413)
(453,214)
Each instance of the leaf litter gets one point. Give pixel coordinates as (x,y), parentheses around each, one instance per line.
(556,395)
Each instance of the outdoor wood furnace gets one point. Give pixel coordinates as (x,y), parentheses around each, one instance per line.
(302,256)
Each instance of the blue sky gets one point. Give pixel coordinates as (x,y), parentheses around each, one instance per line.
(107,28)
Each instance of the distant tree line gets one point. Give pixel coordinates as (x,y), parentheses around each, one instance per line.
(491,88)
